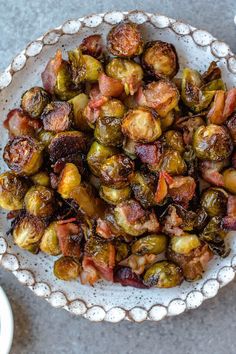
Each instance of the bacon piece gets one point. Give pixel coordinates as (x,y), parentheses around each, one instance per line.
(133,212)
(138,264)
(92,45)
(18,123)
(162,189)
(215,115)
(230,103)
(210,171)
(76,159)
(229,221)
(182,190)
(89,274)
(49,76)
(149,153)
(69,236)
(172,223)
(109,86)
(126,277)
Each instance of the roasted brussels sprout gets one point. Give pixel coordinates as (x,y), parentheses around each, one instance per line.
(167,121)
(231,124)
(212,142)
(117,170)
(129,148)
(39,201)
(162,95)
(125,40)
(67,268)
(114,196)
(18,124)
(97,155)
(57,116)
(41,178)
(92,45)
(23,155)
(134,220)
(151,244)
(93,68)
(160,60)
(108,131)
(113,108)
(122,250)
(185,243)
(214,201)
(229,177)
(163,275)
(172,163)
(129,72)
(64,88)
(213,231)
(46,137)
(141,125)
(28,232)
(174,140)
(108,228)
(69,179)
(143,186)
(49,242)
(12,191)
(79,103)
(188,125)
(34,101)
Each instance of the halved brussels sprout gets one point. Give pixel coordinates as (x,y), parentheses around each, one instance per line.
(151,244)
(172,163)
(92,45)
(79,103)
(185,243)
(143,186)
(229,177)
(108,131)
(163,274)
(117,170)
(69,179)
(57,116)
(213,231)
(12,191)
(97,154)
(122,250)
(46,137)
(49,242)
(129,72)
(212,142)
(39,201)
(129,147)
(214,201)
(93,68)
(34,101)
(125,40)
(28,232)
(64,88)
(23,155)
(114,196)
(141,125)
(160,60)
(113,108)
(67,268)
(174,139)
(41,178)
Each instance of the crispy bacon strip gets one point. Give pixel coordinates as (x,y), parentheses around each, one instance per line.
(69,236)
(215,115)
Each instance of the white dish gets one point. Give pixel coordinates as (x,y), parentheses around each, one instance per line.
(111,302)
(6,324)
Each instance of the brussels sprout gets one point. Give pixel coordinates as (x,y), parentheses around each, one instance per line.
(93,68)
(129,72)
(67,143)
(213,72)
(172,163)
(141,125)
(19,123)
(41,178)
(143,186)
(134,220)
(64,86)
(129,148)
(185,243)
(213,231)
(229,177)
(12,191)
(92,45)
(28,232)
(39,201)
(114,196)
(163,275)
(174,140)
(160,60)
(113,108)
(188,125)
(108,131)
(57,116)
(231,124)
(23,155)
(212,143)
(67,268)
(117,170)
(125,40)
(79,103)
(151,244)
(97,155)
(49,242)
(162,95)
(69,179)
(214,201)
(77,65)
(182,190)
(34,101)
(167,121)
(122,250)
(46,137)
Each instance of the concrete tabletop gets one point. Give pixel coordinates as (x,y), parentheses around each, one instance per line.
(41,329)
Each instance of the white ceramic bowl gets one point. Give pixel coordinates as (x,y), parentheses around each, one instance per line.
(106,301)
(6,324)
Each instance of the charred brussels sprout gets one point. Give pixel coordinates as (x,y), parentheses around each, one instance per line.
(28,232)
(57,116)
(34,101)
(39,201)
(125,40)
(79,103)
(229,177)
(67,268)
(69,179)
(41,178)
(142,125)
(151,244)
(97,155)
(214,201)
(49,242)
(129,72)
(174,140)
(160,60)
(23,155)
(12,191)
(114,196)
(143,186)
(185,243)
(117,170)
(113,108)
(108,131)
(163,275)
(212,142)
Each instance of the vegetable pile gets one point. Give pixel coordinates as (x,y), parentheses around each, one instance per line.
(125,172)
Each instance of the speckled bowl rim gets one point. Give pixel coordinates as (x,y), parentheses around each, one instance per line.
(220,50)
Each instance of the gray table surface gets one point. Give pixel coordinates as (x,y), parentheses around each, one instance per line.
(39,328)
